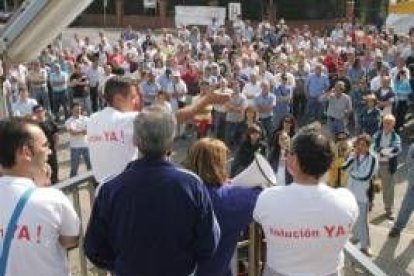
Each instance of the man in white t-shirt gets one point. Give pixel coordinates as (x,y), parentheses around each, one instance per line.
(110,131)
(48,224)
(76,126)
(307,223)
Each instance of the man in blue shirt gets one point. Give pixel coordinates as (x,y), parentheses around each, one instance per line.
(264,103)
(154,218)
(150,89)
(316,84)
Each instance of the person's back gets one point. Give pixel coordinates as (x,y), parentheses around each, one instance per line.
(305,227)
(307,223)
(109,137)
(35,246)
(153,218)
(151,213)
(233,207)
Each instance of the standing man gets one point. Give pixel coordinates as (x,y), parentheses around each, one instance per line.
(339,108)
(319,216)
(94,74)
(37,80)
(51,131)
(76,126)
(109,131)
(79,84)
(387,144)
(316,84)
(407,205)
(59,82)
(264,103)
(48,224)
(181,229)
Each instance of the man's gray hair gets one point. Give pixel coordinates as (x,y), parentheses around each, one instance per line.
(154,131)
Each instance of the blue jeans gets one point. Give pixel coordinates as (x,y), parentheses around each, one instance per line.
(75,155)
(60,100)
(41,95)
(407,208)
(233,133)
(335,126)
(219,124)
(267,125)
(314,109)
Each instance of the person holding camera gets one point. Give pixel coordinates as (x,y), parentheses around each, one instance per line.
(361,167)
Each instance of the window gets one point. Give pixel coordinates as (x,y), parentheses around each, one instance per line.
(311,9)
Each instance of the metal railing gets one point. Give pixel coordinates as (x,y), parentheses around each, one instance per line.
(73,187)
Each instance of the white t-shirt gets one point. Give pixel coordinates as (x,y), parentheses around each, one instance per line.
(306,227)
(48,214)
(77,124)
(251,91)
(109,138)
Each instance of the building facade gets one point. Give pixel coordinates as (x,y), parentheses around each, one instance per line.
(121,13)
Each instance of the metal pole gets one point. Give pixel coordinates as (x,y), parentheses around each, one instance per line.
(105,4)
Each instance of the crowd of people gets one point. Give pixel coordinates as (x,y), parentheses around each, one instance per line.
(288,94)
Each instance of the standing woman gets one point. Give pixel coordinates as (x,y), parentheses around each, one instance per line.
(253,143)
(279,147)
(233,205)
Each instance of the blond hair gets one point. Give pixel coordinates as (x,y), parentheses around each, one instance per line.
(207,158)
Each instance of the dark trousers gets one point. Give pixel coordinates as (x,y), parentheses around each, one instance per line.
(299,105)
(400,110)
(219,124)
(93,92)
(53,163)
(60,100)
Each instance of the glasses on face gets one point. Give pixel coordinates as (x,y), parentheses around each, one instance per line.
(39,110)
(288,122)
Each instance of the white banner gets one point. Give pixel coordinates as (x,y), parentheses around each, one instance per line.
(150,4)
(198,15)
(400,22)
(234,10)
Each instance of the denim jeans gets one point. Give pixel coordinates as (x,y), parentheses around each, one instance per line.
(268,126)
(407,208)
(41,95)
(75,155)
(314,109)
(335,126)
(233,133)
(60,100)
(219,124)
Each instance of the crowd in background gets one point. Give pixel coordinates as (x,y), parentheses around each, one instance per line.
(356,81)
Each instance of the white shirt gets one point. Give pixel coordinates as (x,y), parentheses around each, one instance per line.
(306,227)
(77,124)
(48,214)
(176,87)
(94,75)
(21,109)
(109,138)
(251,91)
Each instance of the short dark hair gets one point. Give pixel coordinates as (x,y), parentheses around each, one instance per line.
(314,152)
(117,85)
(36,107)
(14,134)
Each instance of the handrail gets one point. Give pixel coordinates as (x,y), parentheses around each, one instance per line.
(85,181)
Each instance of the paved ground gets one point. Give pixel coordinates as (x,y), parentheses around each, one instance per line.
(394,256)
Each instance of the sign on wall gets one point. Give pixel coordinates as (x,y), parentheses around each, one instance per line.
(234,10)
(199,15)
(150,4)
